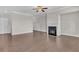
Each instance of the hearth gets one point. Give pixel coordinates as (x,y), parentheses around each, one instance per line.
(52,30)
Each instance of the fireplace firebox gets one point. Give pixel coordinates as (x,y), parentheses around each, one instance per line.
(52,30)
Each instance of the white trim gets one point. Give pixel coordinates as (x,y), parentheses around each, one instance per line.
(21,13)
(58,10)
(59,25)
(4,32)
(22,33)
(40,31)
(70,35)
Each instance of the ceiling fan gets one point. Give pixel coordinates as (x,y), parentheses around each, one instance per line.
(40,9)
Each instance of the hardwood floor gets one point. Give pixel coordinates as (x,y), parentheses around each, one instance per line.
(38,42)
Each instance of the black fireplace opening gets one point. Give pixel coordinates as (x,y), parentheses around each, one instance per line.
(52,30)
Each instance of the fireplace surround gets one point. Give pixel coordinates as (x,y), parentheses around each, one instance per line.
(52,30)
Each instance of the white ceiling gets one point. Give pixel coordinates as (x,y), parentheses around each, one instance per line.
(27,9)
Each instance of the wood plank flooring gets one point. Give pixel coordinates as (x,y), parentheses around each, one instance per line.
(38,42)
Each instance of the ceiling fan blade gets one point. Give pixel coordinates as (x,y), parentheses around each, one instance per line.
(45,8)
(42,10)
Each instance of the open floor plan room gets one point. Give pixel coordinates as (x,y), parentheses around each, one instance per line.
(39,29)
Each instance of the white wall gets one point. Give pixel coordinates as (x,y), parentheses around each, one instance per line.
(40,23)
(21,23)
(70,24)
(53,19)
(66,21)
(5,24)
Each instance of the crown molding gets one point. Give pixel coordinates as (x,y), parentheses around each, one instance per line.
(64,10)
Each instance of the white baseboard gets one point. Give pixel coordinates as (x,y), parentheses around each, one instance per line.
(22,33)
(5,33)
(40,30)
(70,35)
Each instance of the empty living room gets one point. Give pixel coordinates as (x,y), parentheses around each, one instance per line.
(39,29)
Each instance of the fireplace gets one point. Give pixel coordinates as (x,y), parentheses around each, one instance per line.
(52,30)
